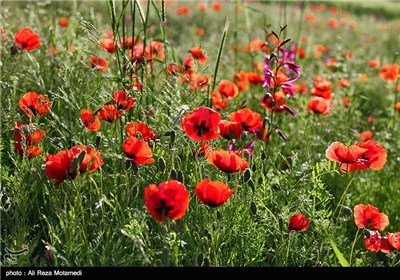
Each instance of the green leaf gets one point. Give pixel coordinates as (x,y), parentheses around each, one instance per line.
(339,255)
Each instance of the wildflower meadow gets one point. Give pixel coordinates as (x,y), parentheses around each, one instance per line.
(200,133)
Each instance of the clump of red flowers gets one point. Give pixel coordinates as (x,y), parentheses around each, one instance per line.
(389,72)
(67,164)
(369,215)
(26,140)
(363,155)
(33,104)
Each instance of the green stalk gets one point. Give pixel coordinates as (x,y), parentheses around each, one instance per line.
(352,246)
(221,47)
(114,26)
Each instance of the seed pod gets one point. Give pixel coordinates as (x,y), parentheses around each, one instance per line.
(252,185)
(253,208)
(246,175)
(161,164)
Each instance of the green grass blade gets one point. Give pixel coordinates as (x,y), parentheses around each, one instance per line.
(339,255)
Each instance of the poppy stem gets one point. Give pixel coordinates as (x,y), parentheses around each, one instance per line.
(352,246)
(348,183)
(396,99)
(221,47)
(288,247)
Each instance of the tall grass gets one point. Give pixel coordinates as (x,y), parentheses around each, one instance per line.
(100,218)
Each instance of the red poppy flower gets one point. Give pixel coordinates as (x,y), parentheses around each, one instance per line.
(230,130)
(58,166)
(122,101)
(374,63)
(365,135)
(92,159)
(373,242)
(30,151)
(202,6)
(107,44)
(275,102)
(374,157)
(201,124)
(227,161)
(154,51)
(90,121)
(254,78)
(322,87)
(25,140)
(241,81)
(136,53)
(228,88)
(216,6)
(197,82)
(257,45)
(339,152)
(333,22)
(203,150)
(109,113)
(249,119)
(138,151)
(218,101)
(167,200)
(298,222)
(63,22)
(200,31)
(263,134)
(386,247)
(128,42)
(394,240)
(363,77)
(183,10)
(138,129)
(397,106)
(344,83)
(301,52)
(310,17)
(173,69)
(34,104)
(389,72)
(27,39)
(365,215)
(187,64)
(211,193)
(23,133)
(199,55)
(98,63)
(319,105)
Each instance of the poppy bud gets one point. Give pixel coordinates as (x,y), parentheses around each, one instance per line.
(289,110)
(280,133)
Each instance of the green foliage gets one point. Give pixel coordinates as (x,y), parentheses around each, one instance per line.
(100,218)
